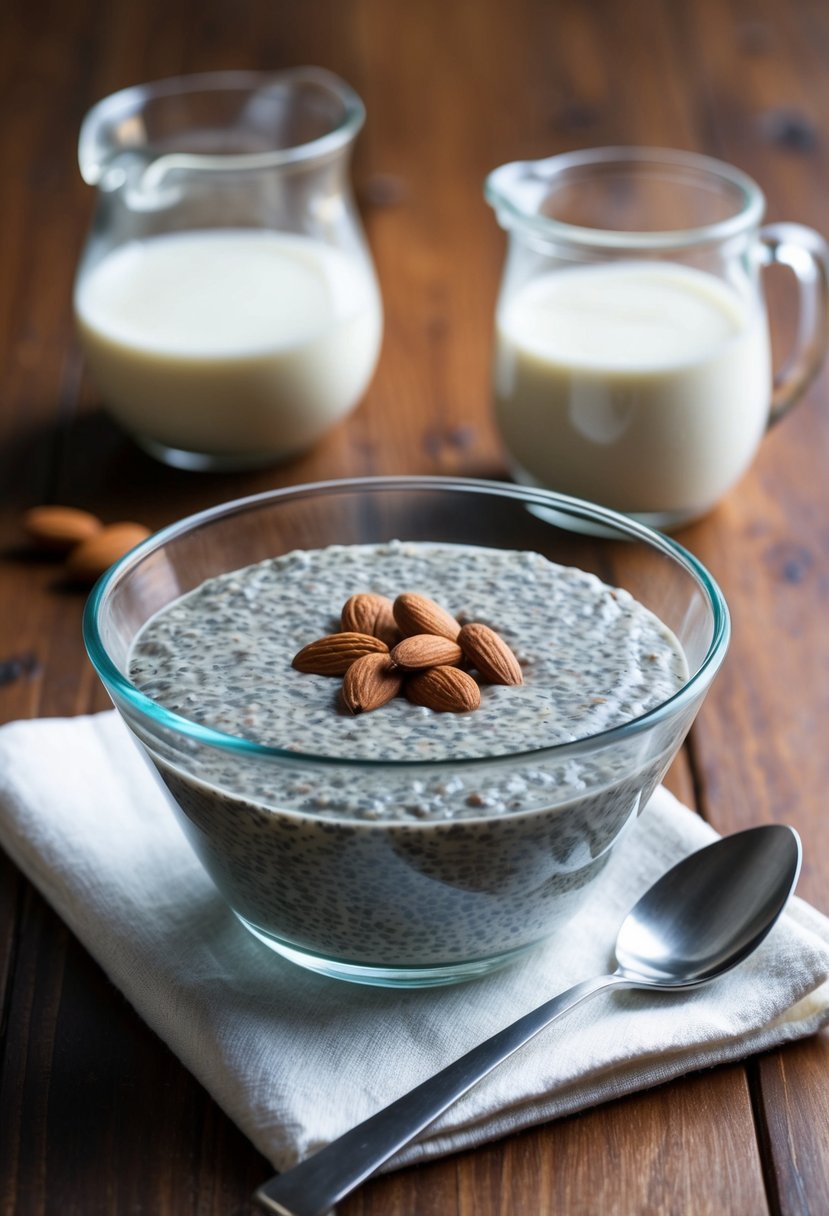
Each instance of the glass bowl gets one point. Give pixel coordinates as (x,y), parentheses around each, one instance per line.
(407,902)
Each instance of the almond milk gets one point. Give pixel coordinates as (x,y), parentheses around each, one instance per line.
(641,385)
(229,342)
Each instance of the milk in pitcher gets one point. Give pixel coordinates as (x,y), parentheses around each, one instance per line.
(641,385)
(237,342)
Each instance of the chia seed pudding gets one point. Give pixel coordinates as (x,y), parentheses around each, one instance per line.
(404,840)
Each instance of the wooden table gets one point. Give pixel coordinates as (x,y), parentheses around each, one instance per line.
(96,1116)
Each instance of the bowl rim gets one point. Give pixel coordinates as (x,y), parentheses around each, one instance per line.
(119,686)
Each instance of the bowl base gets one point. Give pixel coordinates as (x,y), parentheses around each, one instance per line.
(668,520)
(388,977)
(206,462)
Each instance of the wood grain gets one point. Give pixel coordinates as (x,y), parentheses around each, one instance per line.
(95,1114)
(793,1115)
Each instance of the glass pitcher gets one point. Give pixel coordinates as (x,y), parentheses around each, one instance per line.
(226,300)
(632,360)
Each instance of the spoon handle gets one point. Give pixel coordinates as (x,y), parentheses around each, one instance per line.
(316,1184)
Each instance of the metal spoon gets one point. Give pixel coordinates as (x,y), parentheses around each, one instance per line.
(699,920)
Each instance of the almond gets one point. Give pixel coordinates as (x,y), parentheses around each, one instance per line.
(426,650)
(490,655)
(418,614)
(370,682)
(366,612)
(59,529)
(98,552)
(334,654)
(444,689)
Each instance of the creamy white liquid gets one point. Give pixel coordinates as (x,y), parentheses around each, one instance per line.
(229,342)
(643,386)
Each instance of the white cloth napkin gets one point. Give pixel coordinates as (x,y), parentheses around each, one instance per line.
(296,1059)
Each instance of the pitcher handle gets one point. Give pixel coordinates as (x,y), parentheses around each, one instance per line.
(806,253)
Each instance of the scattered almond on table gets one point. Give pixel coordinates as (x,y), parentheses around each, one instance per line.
(59,529)
(87,545)
(411,646)
(88,560)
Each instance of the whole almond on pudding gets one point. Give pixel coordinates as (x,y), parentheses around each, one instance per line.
(370,682)
(59,529)
(490,655)
(334,654)
(98,552)
(367,612)
(426,650)
(418,614)
(447,690)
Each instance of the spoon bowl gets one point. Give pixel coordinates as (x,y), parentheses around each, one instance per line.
(699,920)
(711,910)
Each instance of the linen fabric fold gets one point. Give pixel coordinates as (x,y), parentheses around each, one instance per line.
(295,1059)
